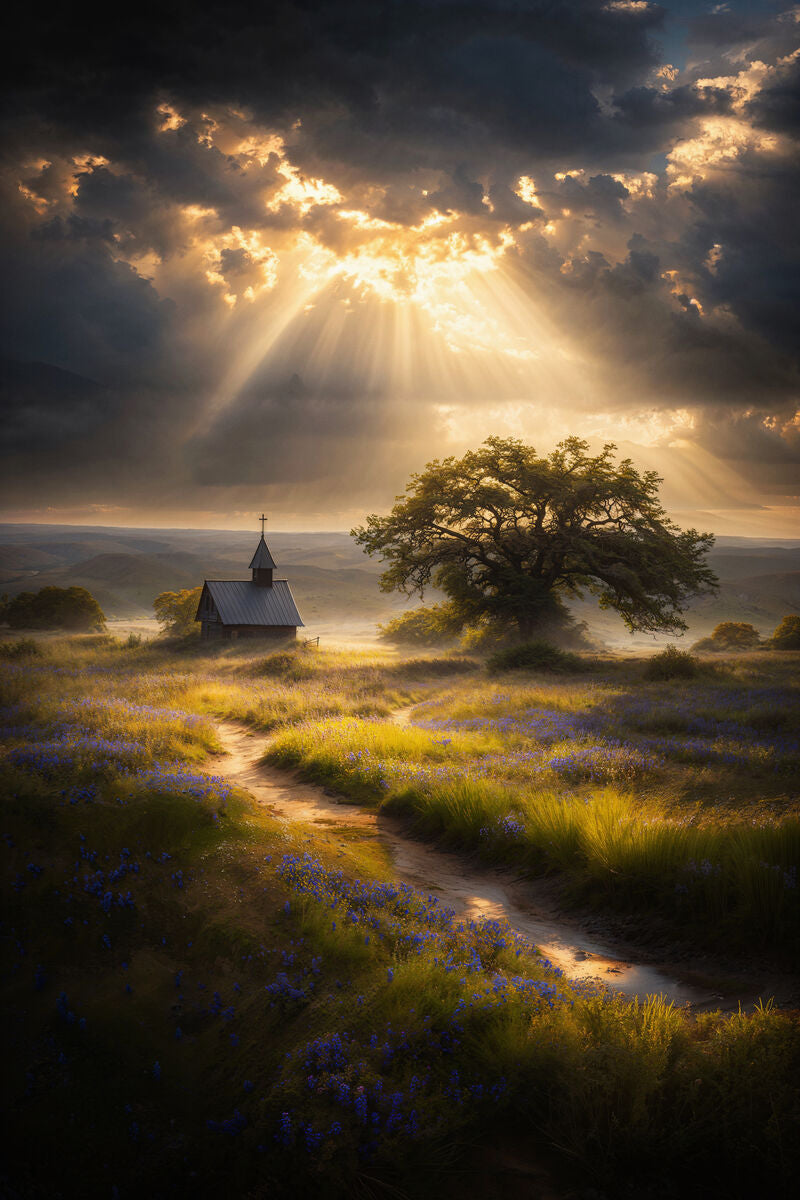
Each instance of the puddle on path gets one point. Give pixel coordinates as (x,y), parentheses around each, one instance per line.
(470,890)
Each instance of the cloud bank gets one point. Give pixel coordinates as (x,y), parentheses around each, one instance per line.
(284,258)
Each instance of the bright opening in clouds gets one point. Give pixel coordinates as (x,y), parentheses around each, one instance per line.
(286,259)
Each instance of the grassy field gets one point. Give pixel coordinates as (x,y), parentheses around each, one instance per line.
(679,797)
(201,1000)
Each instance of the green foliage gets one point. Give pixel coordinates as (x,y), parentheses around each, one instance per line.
(534,656)
(508,536)
(561,630)
(426,626)
(603,781)
(731,635)
(671,663)
(175,611)
(787,634)
(54,608)
(486,637)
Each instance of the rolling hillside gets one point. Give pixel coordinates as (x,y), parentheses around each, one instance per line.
(330,577)
(332,580)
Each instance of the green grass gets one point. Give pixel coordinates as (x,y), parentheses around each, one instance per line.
(349,985)
(679,797)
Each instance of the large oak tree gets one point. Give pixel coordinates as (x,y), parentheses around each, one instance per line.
(508,536)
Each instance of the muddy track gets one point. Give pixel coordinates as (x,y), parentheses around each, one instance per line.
(469,888)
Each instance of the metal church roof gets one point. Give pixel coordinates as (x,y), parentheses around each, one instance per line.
(240,602)
(262,557)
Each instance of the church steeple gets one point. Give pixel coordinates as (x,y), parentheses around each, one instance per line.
(263,563)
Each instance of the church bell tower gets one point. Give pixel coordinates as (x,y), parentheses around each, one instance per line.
(263,563)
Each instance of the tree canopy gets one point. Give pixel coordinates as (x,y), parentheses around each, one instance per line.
(509,536)
(731,635)
(54,608)
(787,634)
(175,611)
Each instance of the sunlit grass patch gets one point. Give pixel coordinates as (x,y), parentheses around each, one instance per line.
(490,699)
(289,687)
(557,779)
(201,985)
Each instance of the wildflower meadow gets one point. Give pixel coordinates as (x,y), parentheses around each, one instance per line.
(201,998)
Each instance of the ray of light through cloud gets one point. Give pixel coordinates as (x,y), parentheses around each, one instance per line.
(300,285)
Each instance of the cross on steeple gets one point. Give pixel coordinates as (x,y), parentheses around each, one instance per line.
(262,565)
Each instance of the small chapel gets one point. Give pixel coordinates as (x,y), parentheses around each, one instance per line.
(261,607)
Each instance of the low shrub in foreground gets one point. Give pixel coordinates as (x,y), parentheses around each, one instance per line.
(534,656)
(671,663)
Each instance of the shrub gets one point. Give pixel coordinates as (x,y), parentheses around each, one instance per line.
(54,608)
(534,656)
(672,663)
(420,627)
(730,635)
(787,635)
(134,640)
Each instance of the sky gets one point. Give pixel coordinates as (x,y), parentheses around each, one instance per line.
(282,255)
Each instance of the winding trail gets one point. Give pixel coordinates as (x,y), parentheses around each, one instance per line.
(461,885)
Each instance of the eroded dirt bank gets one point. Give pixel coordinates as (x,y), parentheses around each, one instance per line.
(474,890)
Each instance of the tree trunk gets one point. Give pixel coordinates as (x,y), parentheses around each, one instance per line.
(526,626)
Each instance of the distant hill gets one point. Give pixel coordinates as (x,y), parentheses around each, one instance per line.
(332,580)
(126,569)
(741,565)
(759,599)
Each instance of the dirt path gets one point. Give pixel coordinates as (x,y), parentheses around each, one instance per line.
(469,889)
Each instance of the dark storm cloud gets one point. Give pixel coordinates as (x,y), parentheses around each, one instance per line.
(721,29)
(522,72)
(600,196)
(688,283)
(649,108)
(644,325)
(77,306)
(757,275)
(778,105)
(283,52)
